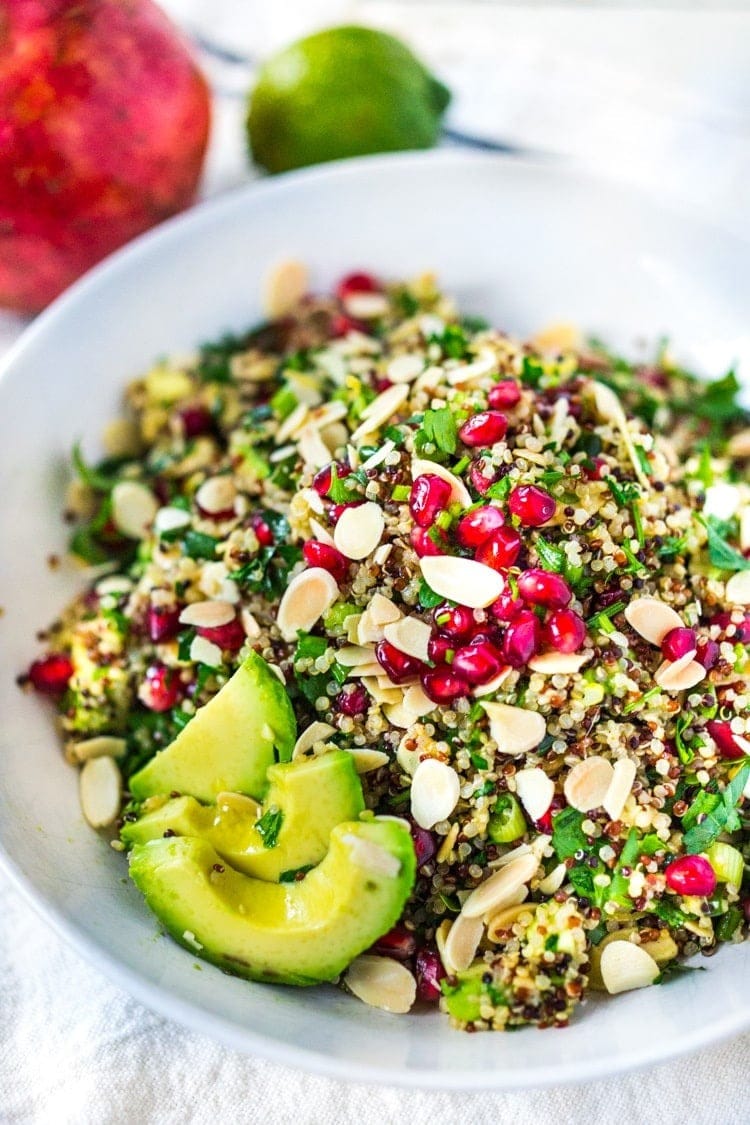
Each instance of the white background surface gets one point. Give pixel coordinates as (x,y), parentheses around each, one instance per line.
(659,98)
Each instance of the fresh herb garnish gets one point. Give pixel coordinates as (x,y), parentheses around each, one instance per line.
(269,826)
(196,545)
(551,557)
(438,428)
(453,342)
(724,817)
(720,552)
(101,478)
(428,599)
(567,835)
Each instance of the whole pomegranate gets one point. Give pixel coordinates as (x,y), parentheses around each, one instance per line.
(104,119)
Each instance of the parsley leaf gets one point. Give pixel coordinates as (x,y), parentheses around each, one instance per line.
(551,557)
(439,428)
(269,827)
(720,552)
(196,545)
(567,835)
(428,599)
(724,817)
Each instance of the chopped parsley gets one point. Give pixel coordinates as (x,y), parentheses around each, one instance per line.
(438,428)
(721,552)
(718,815)
(269,826)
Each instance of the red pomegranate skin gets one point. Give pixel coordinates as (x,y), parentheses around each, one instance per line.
(104,120)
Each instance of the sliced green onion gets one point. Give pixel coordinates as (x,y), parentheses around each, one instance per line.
(506,823)
(727,863)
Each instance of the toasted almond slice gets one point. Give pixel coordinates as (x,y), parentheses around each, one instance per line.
(381,982)
(285,286)
(249,624)
(305,600)
(398,715)
(738,588)
(114,584)
(316,732)
(515,729)
(408,753)
(368,670)
(410,635)
(483,365)
(207,615)
(334,437)
(380,410)
(366,306)
(370,856)
(367,759)
(379,456)
(679,675)
(535,791)
(500,888)
(171,519)
(382,553)
(493,685)
(462,580)
(610,409)
(623,776)
(216,495)
(625,966)
(100,786)
(101,746)
(352,656)
(417,701)
(382,610)
(405,368)
(739,444)
(203,651)
(435,790)
(321,533)
(216,584)
(559,663)
(460,494)
(381,694)
(652,619)
(449,841)
(292,423)
(588,782)
(554,880)
(313,450)
(134,508)
(359,530)
(461,943)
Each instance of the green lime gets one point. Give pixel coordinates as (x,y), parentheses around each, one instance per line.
(343,92)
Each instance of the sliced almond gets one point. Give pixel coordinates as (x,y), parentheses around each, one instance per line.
(285,286)
(321,533)
(101,746)
(382,553)
(625,966)
(353,656)
(410,749)
(461,943)
(292,423)
(100,787)
(462,580)
(418,701)
(312,449)
(738,588)
(307,597)
(587,783)
(493,685)
(316,732)
(459,492)
(203,651)
(398,715)
(515,729)
(652,619)
(380,694)
(380,410)
(217,494)
(207,615)
(379,456)
(134,508)
(500,889)
(405,368)
(381,982)
(554,880)
(623,776)
(216,584)
(359,530)
(171,519)
(559,663)
(435,790)
(535,791)
(366,306)
(410,635)
(368,670)
(610,409)
(370,856)
(249,624)
(449,841)
(500,924)
(483,365)
(382,610)
(366,760)
(679,675)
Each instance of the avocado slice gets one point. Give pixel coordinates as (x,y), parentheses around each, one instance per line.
(229,744)
(285,933)
(305,800)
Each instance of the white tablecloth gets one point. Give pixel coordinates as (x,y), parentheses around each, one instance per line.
(660,98)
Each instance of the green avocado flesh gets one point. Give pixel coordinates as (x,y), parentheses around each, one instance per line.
(298,933)
(231,742)
(308,798)
(464,998)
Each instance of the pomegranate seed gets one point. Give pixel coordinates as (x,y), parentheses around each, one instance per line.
(429,971)
(507,606)
(162,623)
(352,702)
(539,587)
(484,428)
(734,631)
(424,843)
(501,549)
(440,649)
(544,824)
(442,685)
(327,557)
(478,662)
(504,395)
(477,526)
(398,666)
(51,674)
(596,469)
(323,479)
(423,543)
(429,496)
(480,480)
(678,642)
(707,653)
(230,636)
(455,621)
(356,283)
(691,875)
(522,639)
(564,630)
(342,325)
(263,532)
(399,943)
(196,420)
(533,506)
(721,732)
(161,689)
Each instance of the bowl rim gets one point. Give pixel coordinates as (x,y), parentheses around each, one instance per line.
(162,1000)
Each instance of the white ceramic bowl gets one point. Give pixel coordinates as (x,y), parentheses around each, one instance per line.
(520,242)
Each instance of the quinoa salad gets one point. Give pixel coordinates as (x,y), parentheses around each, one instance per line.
(511,580)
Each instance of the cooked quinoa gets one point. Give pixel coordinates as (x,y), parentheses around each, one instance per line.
(576,675)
